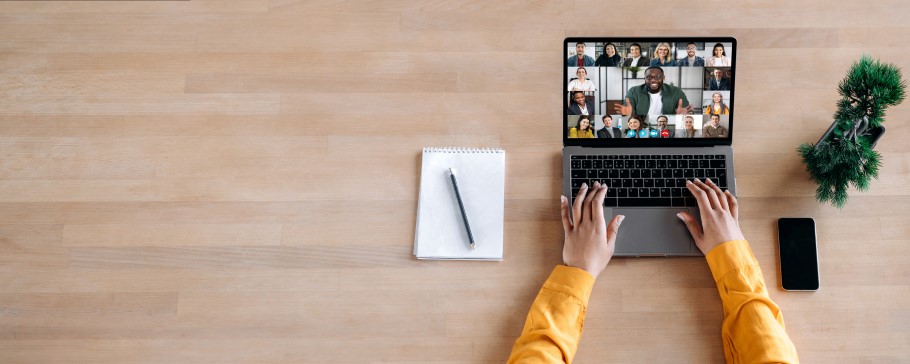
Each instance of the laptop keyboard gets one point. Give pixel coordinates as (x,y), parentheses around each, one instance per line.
(647,180)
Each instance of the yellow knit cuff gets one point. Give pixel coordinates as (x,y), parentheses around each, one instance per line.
(730,256)
(572,281)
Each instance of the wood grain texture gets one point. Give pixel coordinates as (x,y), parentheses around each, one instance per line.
(236,181)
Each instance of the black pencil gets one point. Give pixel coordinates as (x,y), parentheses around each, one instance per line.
(461,207)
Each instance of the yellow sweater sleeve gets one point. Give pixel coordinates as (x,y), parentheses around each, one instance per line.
(554,323)
(753,327)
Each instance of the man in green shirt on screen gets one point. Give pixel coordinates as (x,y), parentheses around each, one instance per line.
(654,97)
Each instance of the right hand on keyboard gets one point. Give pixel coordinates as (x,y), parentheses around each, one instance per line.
(719,216)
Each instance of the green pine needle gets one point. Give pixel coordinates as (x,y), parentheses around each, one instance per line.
(836,163)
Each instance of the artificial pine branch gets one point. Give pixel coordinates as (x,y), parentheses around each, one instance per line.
(846,156)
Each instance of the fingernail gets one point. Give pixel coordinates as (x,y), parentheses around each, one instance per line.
(679,215)
(562,199)
(697,180)
(621,218)
(709,180)
(688,182)
(584,185)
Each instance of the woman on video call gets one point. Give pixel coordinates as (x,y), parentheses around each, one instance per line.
(609,58)
(582,83)
(717,105)
(663,59)
(582,129)
(688,130)
(637,124)
(718,57)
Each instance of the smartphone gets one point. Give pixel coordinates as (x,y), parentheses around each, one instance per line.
(798,254)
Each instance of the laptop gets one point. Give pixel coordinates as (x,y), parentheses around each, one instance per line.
(643,115)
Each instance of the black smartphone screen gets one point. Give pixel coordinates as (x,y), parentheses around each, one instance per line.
(798,254)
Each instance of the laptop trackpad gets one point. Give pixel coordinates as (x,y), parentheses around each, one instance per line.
(653,230)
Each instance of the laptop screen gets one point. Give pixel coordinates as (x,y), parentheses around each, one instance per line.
(648,91)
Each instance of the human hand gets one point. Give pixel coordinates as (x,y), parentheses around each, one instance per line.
(624,109)
(683,110)
(589,245)
(719,216)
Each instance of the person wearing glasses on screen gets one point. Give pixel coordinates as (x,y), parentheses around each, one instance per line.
(582,83)
(582,129)
(688,130)
(717,106)
(579,106)
(580,59)
(635,58)
(663,127)
(654,97)
(718,57)
(691,60)
(609,58)
(715,130)
(664,58)
(637,127)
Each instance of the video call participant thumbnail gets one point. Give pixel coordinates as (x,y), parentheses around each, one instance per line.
(688,130)
(579,105)
(580,59)
(637,127)
(609,58)
(718,57)
(581,83)
(583,128)
(691,60)
(714,129)
(720,81)
(663,127)
(609,131)
(654,97)
(663,56)
(717,105)
(635,58)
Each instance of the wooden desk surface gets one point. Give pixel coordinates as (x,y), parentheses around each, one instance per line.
(236,181)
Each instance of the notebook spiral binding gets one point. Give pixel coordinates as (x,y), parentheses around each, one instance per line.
(462,150)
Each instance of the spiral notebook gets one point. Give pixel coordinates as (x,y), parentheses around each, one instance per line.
(440,232)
